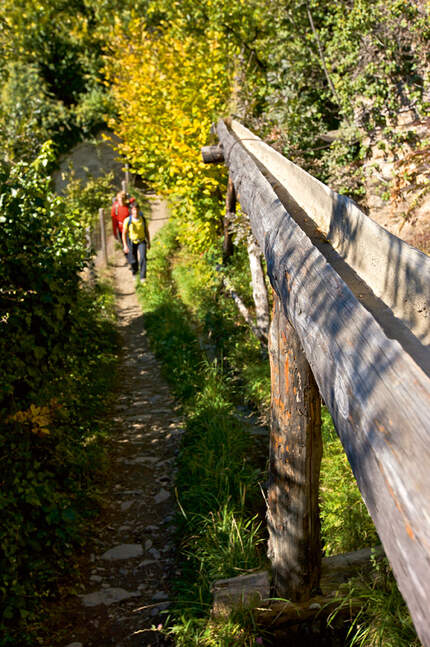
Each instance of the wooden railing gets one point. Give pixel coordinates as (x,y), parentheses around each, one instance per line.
(350,324)
(96,243)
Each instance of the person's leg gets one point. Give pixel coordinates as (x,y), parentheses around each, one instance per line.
(119,239)
(120,242)
(142,259)
(132,256)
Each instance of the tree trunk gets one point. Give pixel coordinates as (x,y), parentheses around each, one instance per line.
(295,458)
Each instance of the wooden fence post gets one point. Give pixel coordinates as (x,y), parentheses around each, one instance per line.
(259,289)
(91,266)
(230,209)
(295,458)
(103,235)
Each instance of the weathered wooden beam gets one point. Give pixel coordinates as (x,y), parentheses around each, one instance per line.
(247,591)
(212,155)
(378,396)
(253,591)
(294,468)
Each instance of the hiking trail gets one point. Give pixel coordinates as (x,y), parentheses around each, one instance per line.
(125,577)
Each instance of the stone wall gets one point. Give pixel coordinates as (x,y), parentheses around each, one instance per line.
(90,158)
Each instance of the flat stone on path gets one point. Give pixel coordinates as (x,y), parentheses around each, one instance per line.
(126,505)
(124,551)
(106,596)
(141,459)
(161,595)
(163,495)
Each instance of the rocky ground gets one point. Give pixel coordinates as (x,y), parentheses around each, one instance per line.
(125,575)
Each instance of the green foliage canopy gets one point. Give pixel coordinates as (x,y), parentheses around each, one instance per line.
(41,253)
(50,72)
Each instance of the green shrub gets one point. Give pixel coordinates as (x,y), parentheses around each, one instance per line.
(41,252)
(58,346)
(53,457)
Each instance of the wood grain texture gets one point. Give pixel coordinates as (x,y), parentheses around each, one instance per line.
(243,591)
(378,397)
(294,464)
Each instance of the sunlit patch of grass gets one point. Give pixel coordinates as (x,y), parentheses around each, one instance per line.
(217,483)
(224,632)
(345,523)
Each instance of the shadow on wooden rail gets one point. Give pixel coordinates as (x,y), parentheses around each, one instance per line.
(351,322)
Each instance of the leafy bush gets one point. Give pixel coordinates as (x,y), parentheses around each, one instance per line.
(84,199)
(93,110)
(41,253)
(57,350)
(28,112)
(168,87)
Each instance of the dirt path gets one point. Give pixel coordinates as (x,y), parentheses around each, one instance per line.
(126,579)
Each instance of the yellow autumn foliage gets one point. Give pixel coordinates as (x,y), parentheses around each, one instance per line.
(168,91)
(37,418)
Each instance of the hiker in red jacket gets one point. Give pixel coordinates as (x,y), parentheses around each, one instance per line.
(119,212)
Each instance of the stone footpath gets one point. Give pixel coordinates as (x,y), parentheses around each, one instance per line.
(126,586)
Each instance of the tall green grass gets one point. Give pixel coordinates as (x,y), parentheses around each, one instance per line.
(345,523)
(215,316)
(383,619)
(218,478)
